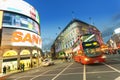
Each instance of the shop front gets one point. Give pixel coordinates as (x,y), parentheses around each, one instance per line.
(12,59)
(9,60)
(11,64)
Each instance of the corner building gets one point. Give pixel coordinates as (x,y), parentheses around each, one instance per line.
(65,40)
(20,40)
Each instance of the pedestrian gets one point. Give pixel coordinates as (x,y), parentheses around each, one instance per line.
(22,67)
(8,68)
(19,67)
(66,58)
(69,58)
(118,51)
(4,70)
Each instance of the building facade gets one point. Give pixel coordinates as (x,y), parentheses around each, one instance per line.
(65,40)
(114,41)
(20,40)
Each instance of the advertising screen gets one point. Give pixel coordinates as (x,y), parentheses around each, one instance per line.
(20,6)
(20,21)
(17,37)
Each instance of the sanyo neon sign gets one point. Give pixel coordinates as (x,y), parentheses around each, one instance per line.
(25,38)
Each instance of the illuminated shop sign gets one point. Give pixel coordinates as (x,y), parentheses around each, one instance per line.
(21,7)
(16,37)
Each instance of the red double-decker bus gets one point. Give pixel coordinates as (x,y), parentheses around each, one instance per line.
(87,50)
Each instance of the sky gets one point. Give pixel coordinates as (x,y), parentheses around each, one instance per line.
(104,14)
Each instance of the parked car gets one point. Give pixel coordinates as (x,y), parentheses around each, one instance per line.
(47,62)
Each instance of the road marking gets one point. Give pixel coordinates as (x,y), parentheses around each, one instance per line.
(32,76)
(22,77)
(118,78)
(112,68)
(40,75)
(71,68)
(84,73)
(79,73)
(76,68)
(100,72)
(61,72)
(72,74)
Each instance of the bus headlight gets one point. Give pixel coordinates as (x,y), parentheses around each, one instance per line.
(103,56)
(86,59)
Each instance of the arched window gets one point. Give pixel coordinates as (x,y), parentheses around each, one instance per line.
(24,52)
(10,53)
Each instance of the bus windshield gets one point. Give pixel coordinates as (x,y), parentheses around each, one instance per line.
(91,49)
(88,37)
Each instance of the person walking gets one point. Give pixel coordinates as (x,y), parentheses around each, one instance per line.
(4,70)
(22,66)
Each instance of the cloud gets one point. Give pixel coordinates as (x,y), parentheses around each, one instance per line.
(116,18)
(114,23)
(107,32)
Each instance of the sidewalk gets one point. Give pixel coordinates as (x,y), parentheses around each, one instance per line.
(3,76)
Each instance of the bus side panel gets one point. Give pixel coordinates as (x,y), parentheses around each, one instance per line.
(77,58)
(86,60)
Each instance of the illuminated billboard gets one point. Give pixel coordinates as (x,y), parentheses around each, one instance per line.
(20,6)
(14,20)
(17,37)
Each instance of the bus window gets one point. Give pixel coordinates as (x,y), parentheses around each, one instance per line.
(91,49)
